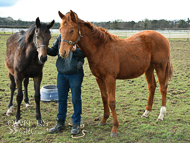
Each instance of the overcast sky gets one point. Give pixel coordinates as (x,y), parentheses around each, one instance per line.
(96,10)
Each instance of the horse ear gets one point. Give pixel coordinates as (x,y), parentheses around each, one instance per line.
(72,14)
(38,24)
(51,24)
(61,15)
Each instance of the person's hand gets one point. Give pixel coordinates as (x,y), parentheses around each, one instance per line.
(74,48)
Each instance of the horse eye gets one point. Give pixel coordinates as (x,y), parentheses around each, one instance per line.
(37,37)
(72,31)
(47,32)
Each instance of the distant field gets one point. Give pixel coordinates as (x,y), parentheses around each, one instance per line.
(131,99)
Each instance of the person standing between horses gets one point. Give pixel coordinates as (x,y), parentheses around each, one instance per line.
(70,75)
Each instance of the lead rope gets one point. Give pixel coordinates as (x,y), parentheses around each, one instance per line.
(83,131)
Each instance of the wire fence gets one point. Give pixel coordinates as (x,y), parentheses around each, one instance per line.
(166,33)
(121,33)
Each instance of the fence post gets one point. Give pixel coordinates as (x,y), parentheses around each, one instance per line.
(187,35)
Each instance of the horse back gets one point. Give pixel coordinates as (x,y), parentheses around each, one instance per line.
(131,57)
(158,44)
(13,42)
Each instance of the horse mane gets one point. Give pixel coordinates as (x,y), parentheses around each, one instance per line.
(100,32)
(27,37)
(30,34)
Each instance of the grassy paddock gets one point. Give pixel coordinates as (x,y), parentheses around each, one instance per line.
(131,99)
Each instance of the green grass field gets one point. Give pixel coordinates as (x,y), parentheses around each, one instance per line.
(131,100)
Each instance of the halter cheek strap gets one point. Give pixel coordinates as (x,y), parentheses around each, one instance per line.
(35,42)
(73,43)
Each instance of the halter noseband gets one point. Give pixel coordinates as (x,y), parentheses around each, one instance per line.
(41,46)
(73,43)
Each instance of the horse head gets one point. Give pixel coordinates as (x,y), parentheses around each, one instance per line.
(70,32)
(41,39)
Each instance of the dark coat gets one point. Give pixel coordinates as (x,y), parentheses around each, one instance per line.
(71,65)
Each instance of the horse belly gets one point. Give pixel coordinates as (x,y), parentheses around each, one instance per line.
(129,74)
(134,68)
(9,67)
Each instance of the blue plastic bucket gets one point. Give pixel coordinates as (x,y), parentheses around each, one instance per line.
(49,93)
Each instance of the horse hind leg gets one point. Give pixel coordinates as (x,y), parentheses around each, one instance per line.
(26,81)
(12,88)
(161,72)
(149,75)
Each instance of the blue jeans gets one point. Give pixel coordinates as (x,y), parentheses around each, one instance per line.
(74,82)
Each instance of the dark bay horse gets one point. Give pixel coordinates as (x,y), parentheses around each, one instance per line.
(112,58)
(25,57)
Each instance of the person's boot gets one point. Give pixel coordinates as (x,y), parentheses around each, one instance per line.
(75,129)
(58,127)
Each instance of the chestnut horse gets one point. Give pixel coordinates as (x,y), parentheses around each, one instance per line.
(25,57)
(112,58)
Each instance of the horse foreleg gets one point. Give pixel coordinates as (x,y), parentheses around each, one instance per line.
(37,81)
(12,88)
(26,81)
(149,75)
(111,88)
(104,96)
(19,99)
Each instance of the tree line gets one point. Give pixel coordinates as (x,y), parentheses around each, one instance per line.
(9,22)
(146,24)
(116,24)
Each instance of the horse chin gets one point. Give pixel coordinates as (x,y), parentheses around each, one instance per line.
(64,55)
(40,62)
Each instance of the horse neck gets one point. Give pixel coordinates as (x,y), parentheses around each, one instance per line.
(89,44)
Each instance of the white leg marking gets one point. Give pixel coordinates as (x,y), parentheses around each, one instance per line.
(27,105)
(162,113)
(9,111)
(17,124)
(145,114)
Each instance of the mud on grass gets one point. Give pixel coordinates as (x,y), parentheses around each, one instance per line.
(131,99)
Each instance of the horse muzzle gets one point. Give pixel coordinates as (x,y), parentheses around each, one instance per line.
(64,54)
(43,59)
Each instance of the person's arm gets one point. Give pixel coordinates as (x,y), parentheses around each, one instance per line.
(53,51)
(77,52)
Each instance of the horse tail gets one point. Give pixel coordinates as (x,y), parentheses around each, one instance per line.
(169,70)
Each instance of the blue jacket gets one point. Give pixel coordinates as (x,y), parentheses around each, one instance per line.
(71,65)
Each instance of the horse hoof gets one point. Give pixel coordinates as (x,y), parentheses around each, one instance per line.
(101,124)
(27,105)
(159,119)
(40,123)
(9,114)
(17,124)
(143,116)
(9,111)
(113,134)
